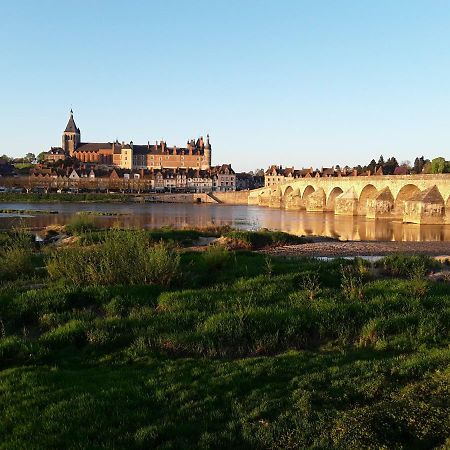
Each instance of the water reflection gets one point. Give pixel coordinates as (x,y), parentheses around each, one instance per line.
(246,217)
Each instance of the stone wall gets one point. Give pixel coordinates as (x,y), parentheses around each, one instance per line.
(232,197)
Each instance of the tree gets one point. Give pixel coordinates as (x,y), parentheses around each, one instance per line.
(390,165)
(372,166)
(381,161)
(427,167)
(438,165)
(41,157)
(29,157)
(6,158)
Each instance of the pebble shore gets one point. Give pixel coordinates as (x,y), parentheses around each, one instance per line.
(361,248)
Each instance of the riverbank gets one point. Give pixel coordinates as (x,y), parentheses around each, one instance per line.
(229,198)
(330,248)
(34,197)
(217,349)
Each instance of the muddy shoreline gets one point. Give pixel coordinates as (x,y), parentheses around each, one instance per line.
(361,248)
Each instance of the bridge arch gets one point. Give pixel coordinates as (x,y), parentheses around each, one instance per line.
(332,197)
(308,191)
(406,193)
(288,190)
(369,191)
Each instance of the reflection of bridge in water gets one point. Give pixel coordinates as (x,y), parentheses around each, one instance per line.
(421,199)
(240,216)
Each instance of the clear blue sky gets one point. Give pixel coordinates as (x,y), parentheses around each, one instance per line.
(299,83)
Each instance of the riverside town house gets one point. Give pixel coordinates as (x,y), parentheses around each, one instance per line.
(196,154)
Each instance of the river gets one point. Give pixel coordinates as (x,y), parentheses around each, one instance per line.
(154,215)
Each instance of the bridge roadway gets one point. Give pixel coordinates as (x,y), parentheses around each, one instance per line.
(422,199)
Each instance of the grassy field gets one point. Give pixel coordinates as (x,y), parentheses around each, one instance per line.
(102,346)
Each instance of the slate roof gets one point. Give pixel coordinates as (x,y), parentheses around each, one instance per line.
(93,146)
(71,126)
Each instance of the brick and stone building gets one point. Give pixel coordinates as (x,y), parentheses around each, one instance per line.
(195,155)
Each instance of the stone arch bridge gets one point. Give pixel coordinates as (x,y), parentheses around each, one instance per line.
(423,199)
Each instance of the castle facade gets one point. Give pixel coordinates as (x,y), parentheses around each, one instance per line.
(196,154)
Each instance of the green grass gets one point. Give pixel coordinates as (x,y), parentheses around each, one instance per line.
(237,352)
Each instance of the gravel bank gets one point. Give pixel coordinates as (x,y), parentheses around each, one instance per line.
(361,248)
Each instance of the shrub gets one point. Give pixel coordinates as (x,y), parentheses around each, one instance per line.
(15,261)
(16,255)
(81,223)
(419,285)
(310,283)
(12,348)
(122,258)
(71,333)
(351,283)
(260,239)
(216,256)
(404,265)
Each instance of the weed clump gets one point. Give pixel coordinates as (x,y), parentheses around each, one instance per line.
(405,265)
(81,223)
(351,283)
(253,240)
(122,258)
(216,257)
(16,256)
(310,283)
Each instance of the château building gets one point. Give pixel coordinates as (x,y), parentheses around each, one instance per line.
(196,154)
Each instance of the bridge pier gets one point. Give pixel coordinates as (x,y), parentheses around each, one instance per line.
(316,201)
(381,206)
(294,202)
(425,208)
(347,203)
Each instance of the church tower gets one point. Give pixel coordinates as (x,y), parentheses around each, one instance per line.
(207,153)
(71,136)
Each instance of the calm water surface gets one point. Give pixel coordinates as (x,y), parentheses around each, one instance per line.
(154,215)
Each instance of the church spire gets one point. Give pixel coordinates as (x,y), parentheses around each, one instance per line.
(71,136)
(71,126)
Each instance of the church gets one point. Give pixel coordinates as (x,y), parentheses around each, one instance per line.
(196,154)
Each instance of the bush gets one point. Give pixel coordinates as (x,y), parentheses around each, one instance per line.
(71,333)
(15,262)
(81,223)
(12,348)
(405,265)
(260,239)
(216,256)
(122,258)
(351,283)
(16,256)
(310,283)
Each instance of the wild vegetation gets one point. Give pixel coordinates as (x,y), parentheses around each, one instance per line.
(130,341)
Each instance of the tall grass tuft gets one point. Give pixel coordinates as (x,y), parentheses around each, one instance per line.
(310,283)
(81,223)
(216,256)
(16,256)
(351,283)
(122,258)
(405,265)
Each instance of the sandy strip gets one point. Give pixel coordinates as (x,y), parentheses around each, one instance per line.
(361,248)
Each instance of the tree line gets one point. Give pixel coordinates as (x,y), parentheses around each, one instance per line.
(392,167)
